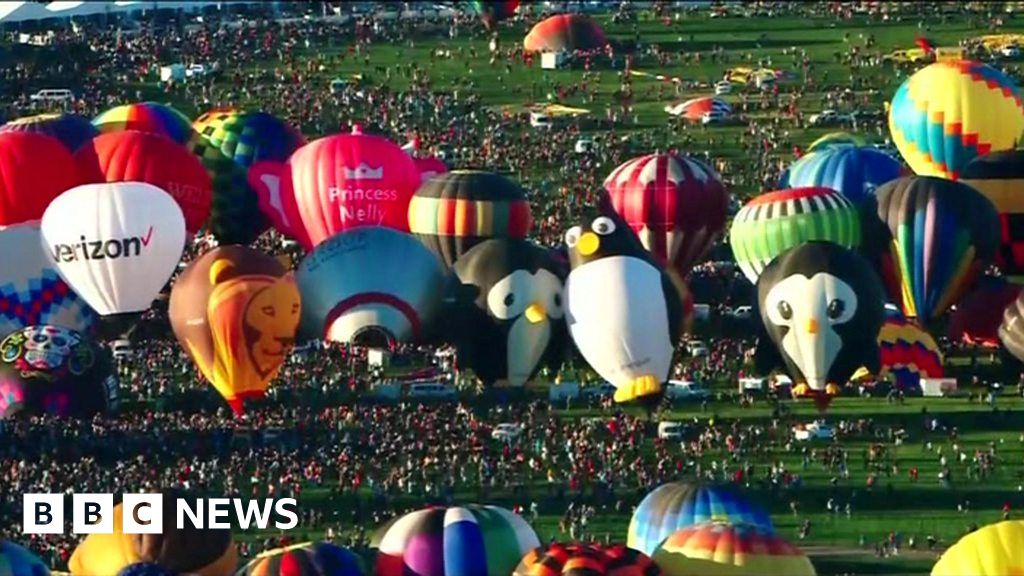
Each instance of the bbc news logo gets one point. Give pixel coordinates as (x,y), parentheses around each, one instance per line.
(144,513)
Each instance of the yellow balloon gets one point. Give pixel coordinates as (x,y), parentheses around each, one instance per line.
(995,550)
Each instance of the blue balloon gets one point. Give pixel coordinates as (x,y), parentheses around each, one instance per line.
(145,569)
(852,171)
(17,561)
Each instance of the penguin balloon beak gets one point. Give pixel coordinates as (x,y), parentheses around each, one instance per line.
(536,313)
(588,244)
(812,326)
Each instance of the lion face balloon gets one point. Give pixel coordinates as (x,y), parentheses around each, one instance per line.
(235,312)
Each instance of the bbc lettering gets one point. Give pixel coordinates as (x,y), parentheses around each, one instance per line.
(144,513)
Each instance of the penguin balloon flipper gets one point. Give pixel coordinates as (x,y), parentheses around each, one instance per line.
(676,307)
(766,356)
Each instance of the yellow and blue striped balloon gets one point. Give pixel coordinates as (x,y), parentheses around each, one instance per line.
(949,112)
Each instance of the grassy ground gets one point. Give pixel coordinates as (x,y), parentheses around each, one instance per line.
(895,503)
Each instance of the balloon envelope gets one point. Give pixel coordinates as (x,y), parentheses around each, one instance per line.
(568,32)
(34,169)
(370,284)
(676,205)
(18,561)
(235,312)
(993,550)
(556,559)
(978,315)
(949,112)
(146,117)
(1000,177)
(725,549)
(133,156)
(31,290)
(71,130)
(307,559)
(115,244)
(53,370)
(853,172)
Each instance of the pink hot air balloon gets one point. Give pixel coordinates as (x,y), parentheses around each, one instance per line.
(335,184)
(429,167)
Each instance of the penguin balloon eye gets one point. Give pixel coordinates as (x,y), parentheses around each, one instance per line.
(572,236)
(837,310)
(510,299)
(785,310)
(603,226)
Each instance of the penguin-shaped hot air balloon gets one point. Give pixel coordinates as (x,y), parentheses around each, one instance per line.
(503,310)
(822,306)
(624,312)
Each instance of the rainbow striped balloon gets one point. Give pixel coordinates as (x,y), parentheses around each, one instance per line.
(949,112)
(453,542)
(909,353)
(306,559)
(146,117)
(723,549)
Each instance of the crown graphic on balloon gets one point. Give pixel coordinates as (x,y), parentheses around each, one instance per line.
(364,172)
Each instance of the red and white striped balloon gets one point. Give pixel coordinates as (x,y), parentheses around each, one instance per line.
(675,204)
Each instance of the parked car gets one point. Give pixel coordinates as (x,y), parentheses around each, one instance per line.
(741,312)
(686,390)
(52,95)
(672,430)
(722,88)
(584,145)
(431,391)
(829,118)
(541,121)
(506,432)
(697,348)
(121,349)
(813,431)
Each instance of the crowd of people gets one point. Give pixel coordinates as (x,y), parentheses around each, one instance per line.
(314,436)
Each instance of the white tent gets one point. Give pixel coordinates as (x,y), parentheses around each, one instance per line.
(11,12)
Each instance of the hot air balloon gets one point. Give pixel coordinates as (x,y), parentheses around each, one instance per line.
(34,169)
(977,317)
(186,550)
(145,569)
(229,143)
(133,156)
(565,32)
(493,11)
(458,210)
(115,244)
(146,117)
(695,108)
(908,354)
(503,311)
(949,112)
(394,297)
(557,559)
(994,550)
(675,204)
(774,222)
(677,505)
(453,541)
(931,238)
(726,549)
(837,139)
(822,307)
(335,184)
(31,290)
(1011,331)
(71,130)
(1000,177)
(235,311)
(624,312)
(429,167)
(306,559)
(53,370)
(853,172)
(17,561)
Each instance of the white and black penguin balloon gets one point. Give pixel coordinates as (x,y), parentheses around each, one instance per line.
(503,310)
(625,314)
(822,307)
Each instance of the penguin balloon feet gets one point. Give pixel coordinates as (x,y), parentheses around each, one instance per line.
(639,387)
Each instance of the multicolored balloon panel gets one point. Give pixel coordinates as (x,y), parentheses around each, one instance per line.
(931,238)
(853,172)
(146,117)
(908,353)
(457,210)
(837,139)
(568,32)
(774,222)
(306,559)
(949,112)
(993,550)
(677,505)
(557,559)
(235,312)
(1000,177)
(71,130)
(730,550)
(676,205)
(453,542)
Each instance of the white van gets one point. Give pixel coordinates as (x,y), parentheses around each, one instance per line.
(541,121)
(431,391)
(671,430)
(722,88)
(686,390)
(121,349)
(52,95)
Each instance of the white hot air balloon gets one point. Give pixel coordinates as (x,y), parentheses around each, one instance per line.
(116,244)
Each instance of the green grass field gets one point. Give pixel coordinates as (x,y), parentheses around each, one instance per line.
(895,503)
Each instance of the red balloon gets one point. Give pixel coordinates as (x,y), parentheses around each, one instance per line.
(429,167)
(132,156)
(977,317)
(675,204)
(335,184)
(34,169)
